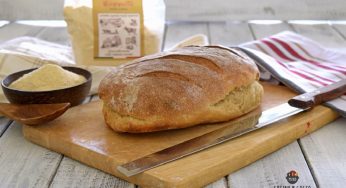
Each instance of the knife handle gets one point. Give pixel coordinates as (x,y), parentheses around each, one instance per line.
(321,95)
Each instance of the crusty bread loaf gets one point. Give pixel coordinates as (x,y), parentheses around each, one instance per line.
(180,88)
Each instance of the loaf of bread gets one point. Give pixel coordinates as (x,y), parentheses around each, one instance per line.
(181,88)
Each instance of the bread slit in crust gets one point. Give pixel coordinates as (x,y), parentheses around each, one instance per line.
(197,60)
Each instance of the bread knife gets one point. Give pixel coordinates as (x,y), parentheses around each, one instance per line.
(235,128)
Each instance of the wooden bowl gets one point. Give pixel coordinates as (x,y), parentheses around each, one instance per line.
(74,95)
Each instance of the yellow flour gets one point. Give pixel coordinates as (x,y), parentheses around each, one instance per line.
(47,77)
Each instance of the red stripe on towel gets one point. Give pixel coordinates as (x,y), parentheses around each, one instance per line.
(283,56)
(295,54)
(311,79)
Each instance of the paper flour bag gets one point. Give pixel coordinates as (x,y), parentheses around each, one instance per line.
(111,32)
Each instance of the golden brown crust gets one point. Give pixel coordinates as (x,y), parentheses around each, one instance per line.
(178,89)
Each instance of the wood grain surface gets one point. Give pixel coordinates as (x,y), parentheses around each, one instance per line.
(324,150)
(4,124)
(327,159)
(81,134)
(271,170)
(74,174)
(321,32)
(220,10)
(229,33)
(6,32)
(26,164)
(180,31)
(264,173)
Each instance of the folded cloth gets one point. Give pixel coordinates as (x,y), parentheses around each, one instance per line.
(299,63)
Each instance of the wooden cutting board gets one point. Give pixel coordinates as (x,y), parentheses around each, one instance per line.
(82,135)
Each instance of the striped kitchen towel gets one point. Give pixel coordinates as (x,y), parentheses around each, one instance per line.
(299,63)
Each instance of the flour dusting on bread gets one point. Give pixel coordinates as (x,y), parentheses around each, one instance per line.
(181,88)
(129,96)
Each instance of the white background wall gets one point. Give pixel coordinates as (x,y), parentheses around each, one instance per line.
(197,10)
(208,10)
(31,9)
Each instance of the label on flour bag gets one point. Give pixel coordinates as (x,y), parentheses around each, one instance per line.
(118,28)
